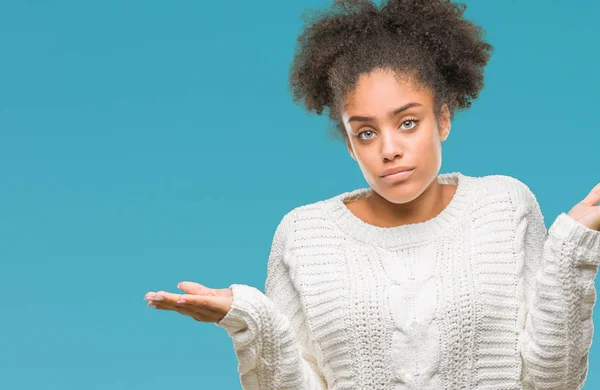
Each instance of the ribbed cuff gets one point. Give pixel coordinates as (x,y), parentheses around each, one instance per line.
(240,315)
(586,241)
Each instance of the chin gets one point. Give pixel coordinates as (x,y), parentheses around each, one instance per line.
(398,193)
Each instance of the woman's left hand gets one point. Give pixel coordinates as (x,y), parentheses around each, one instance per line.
(587,212)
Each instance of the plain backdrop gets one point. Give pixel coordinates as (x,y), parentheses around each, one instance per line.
(147,142)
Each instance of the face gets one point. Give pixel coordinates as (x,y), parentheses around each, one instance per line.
(391,122)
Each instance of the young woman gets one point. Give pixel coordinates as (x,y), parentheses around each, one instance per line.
(422,280)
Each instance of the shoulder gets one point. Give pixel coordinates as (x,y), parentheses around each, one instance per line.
(308,211)
(307,220)
(291,218)
(287,225)
(508,188)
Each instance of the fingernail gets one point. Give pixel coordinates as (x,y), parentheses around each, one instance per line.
(178,284)
(181,301)
(150,305)
(158,298)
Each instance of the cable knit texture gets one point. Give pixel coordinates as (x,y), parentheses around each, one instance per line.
(481,296)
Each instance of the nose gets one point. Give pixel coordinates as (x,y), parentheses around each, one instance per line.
(391,146)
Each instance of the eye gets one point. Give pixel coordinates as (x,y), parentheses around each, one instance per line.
(410,122)
(364,132)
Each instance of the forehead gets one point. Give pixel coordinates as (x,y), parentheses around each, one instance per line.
(381,91)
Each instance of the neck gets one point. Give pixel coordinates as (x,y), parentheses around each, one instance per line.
(424,207)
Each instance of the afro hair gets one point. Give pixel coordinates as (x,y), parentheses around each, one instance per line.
(427,40)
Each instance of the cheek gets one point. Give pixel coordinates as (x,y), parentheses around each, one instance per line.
(428,146)
(429,140)
(367,160)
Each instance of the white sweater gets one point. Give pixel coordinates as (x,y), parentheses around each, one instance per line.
(481,296)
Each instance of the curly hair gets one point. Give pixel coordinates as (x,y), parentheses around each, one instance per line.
(428,41)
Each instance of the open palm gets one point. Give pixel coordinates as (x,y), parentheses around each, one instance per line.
(199,302)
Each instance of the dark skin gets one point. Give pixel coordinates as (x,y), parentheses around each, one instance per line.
(411,137)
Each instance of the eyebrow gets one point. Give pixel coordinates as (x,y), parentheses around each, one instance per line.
(391,113)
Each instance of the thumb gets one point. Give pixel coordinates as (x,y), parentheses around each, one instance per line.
(195,288)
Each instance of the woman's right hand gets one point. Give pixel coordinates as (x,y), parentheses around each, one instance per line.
(202,303)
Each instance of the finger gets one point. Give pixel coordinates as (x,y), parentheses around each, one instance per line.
(202,315)
(208,301)
(176,305)
(195,288)
(155,305)
(593,198)
(203,305)
(168,297)
(214,304)
(149,296)
(164,306)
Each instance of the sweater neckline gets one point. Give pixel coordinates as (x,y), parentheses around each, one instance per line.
(395,236)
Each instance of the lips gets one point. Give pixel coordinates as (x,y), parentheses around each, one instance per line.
(398,177)
(393,170)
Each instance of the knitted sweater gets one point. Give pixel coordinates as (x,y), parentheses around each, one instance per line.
(481,296)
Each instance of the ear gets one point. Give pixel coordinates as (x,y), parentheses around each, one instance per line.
(350,151)
(444,122)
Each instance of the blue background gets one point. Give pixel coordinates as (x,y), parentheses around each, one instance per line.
(147,142)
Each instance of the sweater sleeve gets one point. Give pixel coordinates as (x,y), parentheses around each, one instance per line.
(269,331)
(559,267)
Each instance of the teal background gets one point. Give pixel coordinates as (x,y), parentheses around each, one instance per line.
(147,142)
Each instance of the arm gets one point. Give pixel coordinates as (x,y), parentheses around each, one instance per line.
(559,267)
(269,332)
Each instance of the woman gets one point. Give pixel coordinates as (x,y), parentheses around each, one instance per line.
(423,280)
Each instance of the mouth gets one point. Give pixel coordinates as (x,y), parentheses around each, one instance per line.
(397,169)
(398,176)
